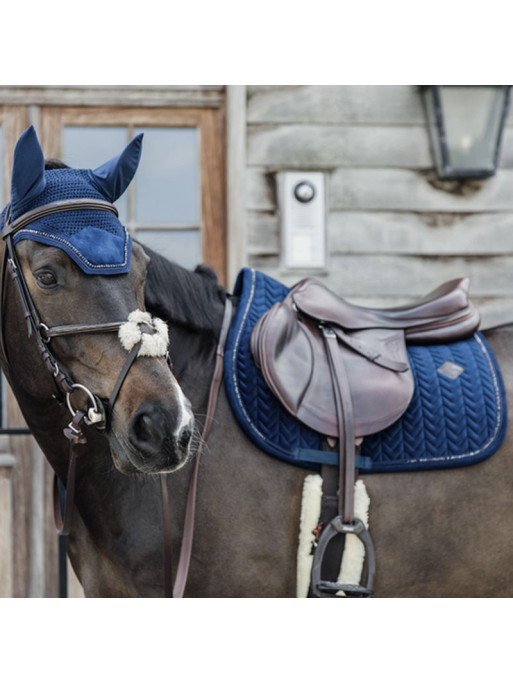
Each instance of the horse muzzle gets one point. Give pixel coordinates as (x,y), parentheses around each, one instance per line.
(160,441)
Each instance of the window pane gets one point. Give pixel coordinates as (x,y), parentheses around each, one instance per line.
(87,147)
(167,186)
(181,246)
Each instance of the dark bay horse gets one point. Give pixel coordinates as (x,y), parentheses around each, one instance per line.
(438,533)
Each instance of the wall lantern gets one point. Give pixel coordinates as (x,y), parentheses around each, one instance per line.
(465,126)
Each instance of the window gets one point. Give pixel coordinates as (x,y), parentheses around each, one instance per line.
(175,204)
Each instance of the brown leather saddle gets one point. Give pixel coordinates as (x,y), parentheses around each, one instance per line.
(343,369)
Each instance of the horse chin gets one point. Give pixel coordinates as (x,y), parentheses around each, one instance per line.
(130,461)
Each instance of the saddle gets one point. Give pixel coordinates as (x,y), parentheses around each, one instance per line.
(289,346)
(343,370)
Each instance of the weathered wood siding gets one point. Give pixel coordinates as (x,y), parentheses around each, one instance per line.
(394,230)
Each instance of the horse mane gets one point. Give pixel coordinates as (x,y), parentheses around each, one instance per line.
(192,299)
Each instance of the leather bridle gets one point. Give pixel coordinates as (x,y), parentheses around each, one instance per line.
(99,412)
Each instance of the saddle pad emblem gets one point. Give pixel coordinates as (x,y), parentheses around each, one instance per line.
(451,370)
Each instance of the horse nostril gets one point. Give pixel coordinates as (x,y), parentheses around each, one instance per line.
(185,438)
(143,428)
(147,430)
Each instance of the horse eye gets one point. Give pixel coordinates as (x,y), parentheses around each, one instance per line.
(46,279)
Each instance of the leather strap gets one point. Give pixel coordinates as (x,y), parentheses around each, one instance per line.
(190,511)
(168,537)
(74,433)
(338,482)
(54,208)
(122,377)
(344,408)
(60,330)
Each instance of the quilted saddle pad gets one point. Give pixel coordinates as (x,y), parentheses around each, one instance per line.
(457,415)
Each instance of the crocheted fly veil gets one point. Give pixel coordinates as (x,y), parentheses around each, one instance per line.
(95,239)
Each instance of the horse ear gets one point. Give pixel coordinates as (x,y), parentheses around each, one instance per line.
(113,177)
(28,177)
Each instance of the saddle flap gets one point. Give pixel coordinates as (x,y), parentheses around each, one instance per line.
(292,358)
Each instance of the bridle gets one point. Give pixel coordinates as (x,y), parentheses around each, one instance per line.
(99,412)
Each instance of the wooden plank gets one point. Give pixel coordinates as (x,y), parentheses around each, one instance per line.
(126,116)
(495,312)
(326,147)
(338,104)
(263,233)
(406,190)
(236,234)
(393,276)
(427,233)
(51,539)
(115,95)
(14,120)
(393,190)
(260,189)
(36,580)
(6,528)
(213,177)
(20,447)
(329,104)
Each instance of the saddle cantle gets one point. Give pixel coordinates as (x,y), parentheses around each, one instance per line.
(288,344)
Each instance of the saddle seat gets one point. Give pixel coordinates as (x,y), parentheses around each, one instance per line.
(443,315)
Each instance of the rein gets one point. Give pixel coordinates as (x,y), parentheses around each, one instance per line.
(177,591)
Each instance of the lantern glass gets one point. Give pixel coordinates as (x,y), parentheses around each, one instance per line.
(466,126)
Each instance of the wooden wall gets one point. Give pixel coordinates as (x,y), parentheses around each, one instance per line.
(394,229)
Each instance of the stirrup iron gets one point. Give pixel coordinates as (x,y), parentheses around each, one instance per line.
(325,589)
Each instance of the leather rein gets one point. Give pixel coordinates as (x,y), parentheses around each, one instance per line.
(99,412)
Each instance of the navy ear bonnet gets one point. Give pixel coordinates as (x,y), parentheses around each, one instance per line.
(95,239)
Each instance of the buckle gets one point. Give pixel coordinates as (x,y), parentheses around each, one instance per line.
(325,589)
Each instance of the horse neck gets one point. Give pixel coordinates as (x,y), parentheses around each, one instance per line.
(192,303)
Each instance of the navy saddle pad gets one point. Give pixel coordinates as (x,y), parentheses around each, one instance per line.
(457,415)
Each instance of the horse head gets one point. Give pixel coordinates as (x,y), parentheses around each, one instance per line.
(80,286)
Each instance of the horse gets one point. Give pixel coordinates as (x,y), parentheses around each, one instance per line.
(436,533)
